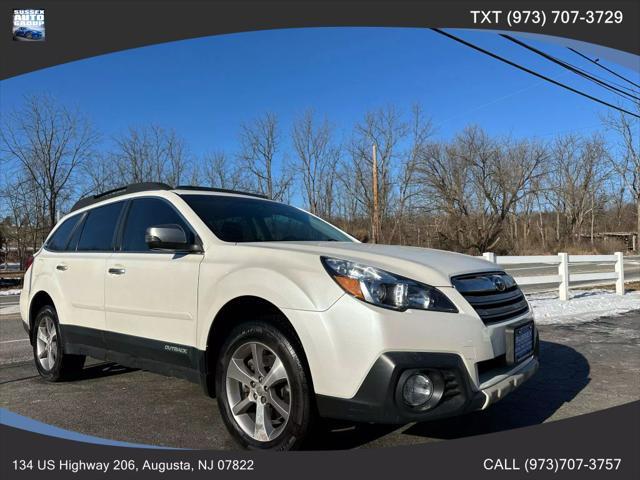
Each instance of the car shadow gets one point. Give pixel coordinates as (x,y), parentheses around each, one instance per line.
(101,370)
(563,373)
(338,435)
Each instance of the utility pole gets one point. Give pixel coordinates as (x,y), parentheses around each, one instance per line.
(375,220)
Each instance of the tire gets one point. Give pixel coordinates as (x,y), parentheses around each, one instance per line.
(278,383)
(51,361)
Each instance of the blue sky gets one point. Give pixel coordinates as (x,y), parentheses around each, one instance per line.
(204,88)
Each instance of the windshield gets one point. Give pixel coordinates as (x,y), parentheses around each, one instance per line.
(240,219)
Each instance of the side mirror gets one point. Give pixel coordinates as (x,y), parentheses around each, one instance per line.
(169,237)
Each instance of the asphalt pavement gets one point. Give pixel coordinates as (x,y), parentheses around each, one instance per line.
(584,368)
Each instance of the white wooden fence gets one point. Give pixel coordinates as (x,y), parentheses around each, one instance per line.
(564,278)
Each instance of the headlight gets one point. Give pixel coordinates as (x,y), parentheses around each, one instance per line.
(385,289)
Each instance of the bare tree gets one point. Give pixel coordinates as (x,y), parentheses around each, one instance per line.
(259,155)
(627,163)
(317,159)
(405,181)
(473,193)
(98,175)
(576,176)
(177,155)
(476,182)
(384,128)
(26,224)
(49,142)
(150,154)
(219,172)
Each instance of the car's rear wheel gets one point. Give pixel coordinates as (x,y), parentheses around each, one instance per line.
(263,389)
(51,361)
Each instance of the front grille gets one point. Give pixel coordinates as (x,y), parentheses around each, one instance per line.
(495,296)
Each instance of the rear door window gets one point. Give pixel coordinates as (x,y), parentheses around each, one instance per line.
(99,227)
(59,239)
(75,236)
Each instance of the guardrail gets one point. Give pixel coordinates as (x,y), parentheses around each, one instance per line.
(564,278)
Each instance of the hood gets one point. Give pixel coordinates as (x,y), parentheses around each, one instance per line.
(434,267)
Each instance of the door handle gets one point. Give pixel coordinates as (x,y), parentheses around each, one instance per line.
(117,270)
(62,267)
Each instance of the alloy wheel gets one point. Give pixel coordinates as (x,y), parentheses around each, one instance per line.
(47,343)
(258,391)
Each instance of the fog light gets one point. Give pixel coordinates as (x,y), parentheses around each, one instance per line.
(417,389)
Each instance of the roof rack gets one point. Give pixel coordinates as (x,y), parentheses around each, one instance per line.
(220,190)
(116,192)
(146,186)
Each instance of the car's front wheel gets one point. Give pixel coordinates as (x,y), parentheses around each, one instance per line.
(263,389)
(51,361)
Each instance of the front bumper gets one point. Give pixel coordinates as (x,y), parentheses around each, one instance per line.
(502,388)
(378,399)
(344,342)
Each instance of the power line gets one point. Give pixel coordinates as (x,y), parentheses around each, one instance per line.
(596,62)
(531,72)
(628,89)
(608,80)
(578,71)
(569,67)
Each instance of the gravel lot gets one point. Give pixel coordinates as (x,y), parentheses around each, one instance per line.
(584,368)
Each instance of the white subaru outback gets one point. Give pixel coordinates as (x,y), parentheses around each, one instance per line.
(280,315)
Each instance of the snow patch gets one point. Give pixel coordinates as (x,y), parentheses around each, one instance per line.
(13,291)
(583,306)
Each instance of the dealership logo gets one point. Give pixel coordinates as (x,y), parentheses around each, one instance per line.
(28,25)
